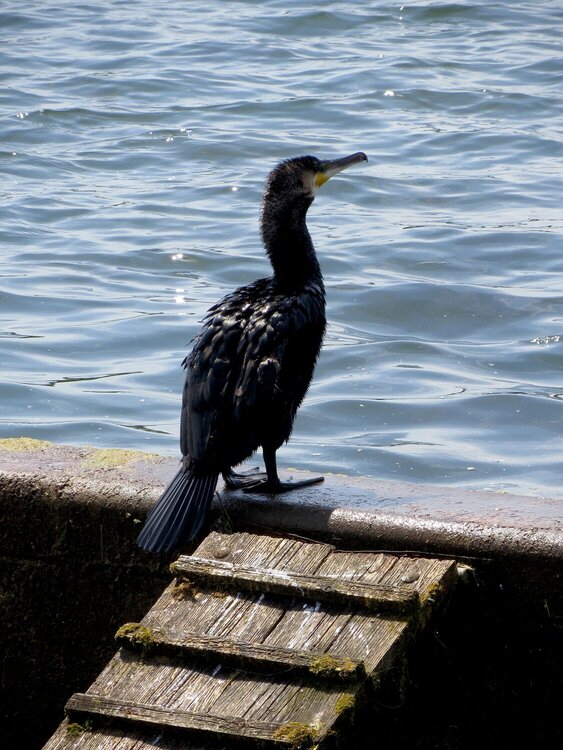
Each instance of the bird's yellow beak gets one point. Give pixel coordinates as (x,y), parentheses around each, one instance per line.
(331,167)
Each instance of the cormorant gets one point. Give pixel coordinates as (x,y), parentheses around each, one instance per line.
(251,364)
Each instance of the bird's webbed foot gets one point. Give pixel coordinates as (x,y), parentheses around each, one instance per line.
(268,486)
(241,480)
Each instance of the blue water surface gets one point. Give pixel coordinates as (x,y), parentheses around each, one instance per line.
(134,143)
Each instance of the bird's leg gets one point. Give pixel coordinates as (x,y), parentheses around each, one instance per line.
(239,480)
(272,483)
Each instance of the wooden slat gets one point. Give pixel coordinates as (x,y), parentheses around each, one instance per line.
(301,624)
(230,576)
(265,551)
(89,705)
(129,737)
(255,656)
(220,691)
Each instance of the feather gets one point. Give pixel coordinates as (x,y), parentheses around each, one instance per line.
(180,513)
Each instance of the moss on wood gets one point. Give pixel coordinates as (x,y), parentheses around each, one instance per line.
(184,589)
(346,702)
(77,730)
(328,665)
(138,635)
(300,736)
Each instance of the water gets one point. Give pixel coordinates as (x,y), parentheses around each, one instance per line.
(134,142)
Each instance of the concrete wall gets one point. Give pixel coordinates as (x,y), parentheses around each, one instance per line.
(71,575)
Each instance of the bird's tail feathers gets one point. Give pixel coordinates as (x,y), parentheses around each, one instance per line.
(180,513)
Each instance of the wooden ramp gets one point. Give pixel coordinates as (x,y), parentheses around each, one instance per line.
(260,641)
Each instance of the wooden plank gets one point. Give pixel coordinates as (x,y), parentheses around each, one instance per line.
(161,681)
(193,647)
(247,616)
(139,737)
(89,705)
(356,633)
(230,576)
(404,572)
(285,701)
(238,614)
(221,691)
(261,618)
(243,615)
(301,624)
(265,551)
(232,693)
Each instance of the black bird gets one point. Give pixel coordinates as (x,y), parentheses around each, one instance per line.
(251,364)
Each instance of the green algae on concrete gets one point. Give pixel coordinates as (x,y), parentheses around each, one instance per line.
(22,444)
(109,458)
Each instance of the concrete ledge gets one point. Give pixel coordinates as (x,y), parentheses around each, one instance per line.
(362,511)
(71,574)
(352,511)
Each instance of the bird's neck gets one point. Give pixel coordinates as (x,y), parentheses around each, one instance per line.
(289,245)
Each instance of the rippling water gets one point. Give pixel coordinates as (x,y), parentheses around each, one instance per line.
(134,142)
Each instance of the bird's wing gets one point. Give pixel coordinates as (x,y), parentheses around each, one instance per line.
(262,349)
(210,370)
(236,366)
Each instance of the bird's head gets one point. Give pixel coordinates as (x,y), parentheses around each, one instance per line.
(290,190)
(293,184)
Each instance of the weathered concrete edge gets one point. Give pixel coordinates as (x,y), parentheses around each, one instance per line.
(390,531)
(350,512)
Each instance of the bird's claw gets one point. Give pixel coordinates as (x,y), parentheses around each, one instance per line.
(242,480)
(266,486)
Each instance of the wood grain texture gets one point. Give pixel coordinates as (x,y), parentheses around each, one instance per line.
(141,737)
(235,656)
(89,705)
(230,576)
(243,654)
